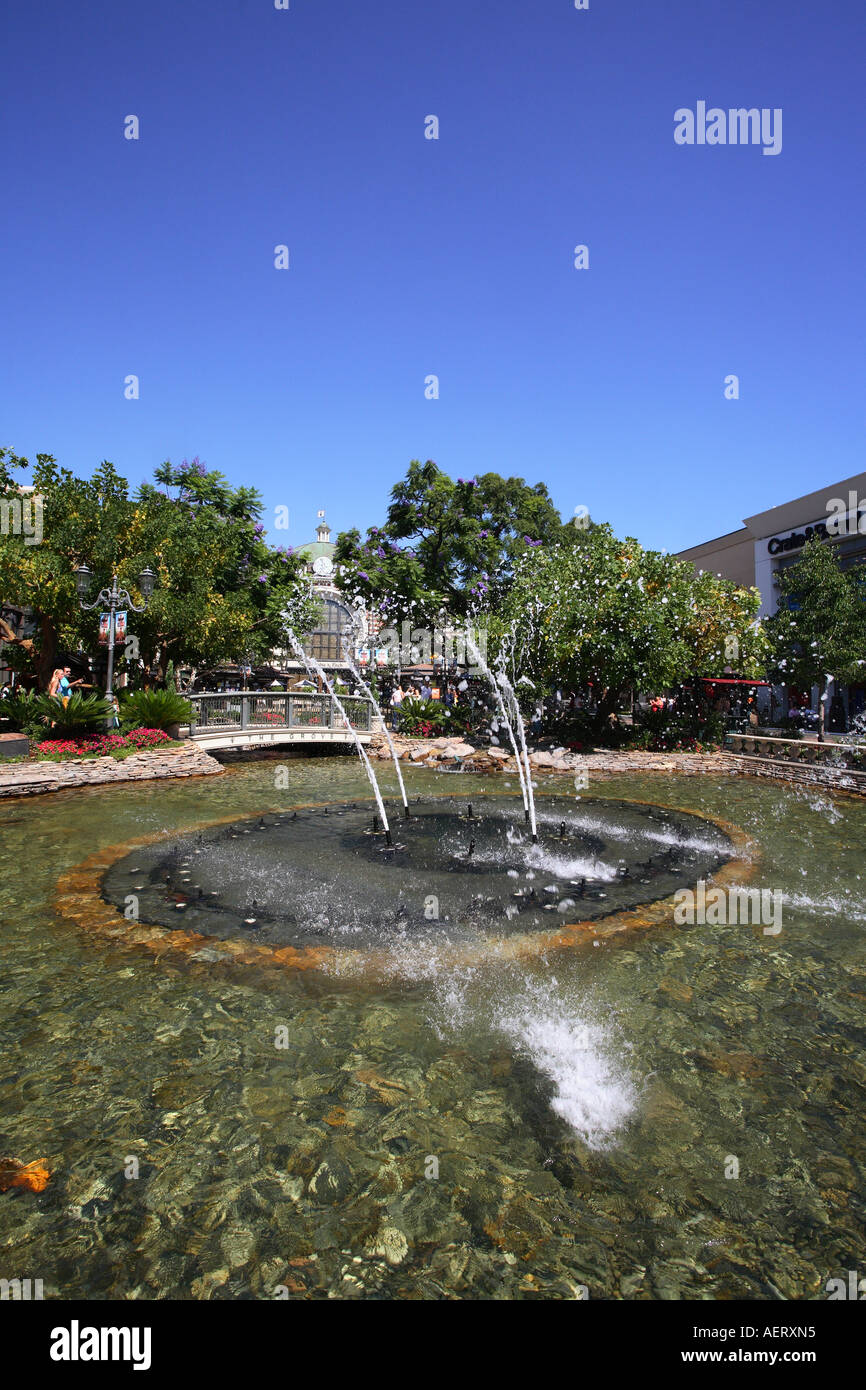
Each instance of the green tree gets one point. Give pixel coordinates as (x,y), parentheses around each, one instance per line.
(604,613)
(81,518)
(818,633)
(220,590)
(445,546)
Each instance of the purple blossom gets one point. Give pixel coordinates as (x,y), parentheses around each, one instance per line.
(263,579)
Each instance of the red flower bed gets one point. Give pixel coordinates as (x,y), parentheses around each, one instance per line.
(104,743)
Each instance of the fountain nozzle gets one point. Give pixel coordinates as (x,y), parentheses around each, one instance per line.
(469,812)
(388,838)
(405,810)
(562,830)
(526,814)
(471,848)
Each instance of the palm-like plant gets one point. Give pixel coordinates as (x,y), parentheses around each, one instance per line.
(154,709)
(80,712)
(21,709)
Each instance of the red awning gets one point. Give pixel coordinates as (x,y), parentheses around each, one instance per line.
(727,680)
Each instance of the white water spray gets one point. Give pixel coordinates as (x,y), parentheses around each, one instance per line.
(525,787)
(370,696)
(314,668)
(506,685)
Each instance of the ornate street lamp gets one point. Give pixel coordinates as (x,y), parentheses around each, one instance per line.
(112,599)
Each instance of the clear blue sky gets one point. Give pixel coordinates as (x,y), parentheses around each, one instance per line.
(454,257)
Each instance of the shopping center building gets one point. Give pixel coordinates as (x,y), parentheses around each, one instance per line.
(771,541)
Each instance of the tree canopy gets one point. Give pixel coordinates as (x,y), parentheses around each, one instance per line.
(603,612)
(221,589)
(819,631)
(445,545)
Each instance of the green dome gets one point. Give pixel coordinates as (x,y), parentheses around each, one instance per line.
(313,549)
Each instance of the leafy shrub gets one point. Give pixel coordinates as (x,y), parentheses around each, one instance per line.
(430,718)
(22,709)
(422,717)
(80,712)
(154,709)
(666,730)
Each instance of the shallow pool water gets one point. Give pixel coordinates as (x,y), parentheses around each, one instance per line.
(675,1111)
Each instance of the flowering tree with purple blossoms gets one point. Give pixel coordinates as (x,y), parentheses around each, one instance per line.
(446,546)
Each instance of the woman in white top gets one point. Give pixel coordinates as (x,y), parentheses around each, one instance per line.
(396,702)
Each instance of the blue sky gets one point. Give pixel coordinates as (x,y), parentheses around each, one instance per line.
(454,257)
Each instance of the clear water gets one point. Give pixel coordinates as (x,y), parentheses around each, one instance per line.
(582,1108)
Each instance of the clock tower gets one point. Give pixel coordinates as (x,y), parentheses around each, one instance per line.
(340,626)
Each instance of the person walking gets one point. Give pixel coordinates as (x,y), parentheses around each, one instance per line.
(397,697)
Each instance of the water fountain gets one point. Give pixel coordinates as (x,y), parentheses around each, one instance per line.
(315,668)
(370,696)
(525,778)
(315,879)
(508,688)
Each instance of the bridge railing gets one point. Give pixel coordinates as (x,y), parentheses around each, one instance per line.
(258,711)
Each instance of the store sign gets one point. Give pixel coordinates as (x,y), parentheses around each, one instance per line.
(797,539)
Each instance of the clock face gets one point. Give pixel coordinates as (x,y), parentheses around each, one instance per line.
(322,565)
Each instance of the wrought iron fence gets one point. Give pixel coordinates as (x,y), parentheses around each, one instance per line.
(266,711)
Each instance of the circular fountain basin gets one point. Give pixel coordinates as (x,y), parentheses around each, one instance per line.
(325,877)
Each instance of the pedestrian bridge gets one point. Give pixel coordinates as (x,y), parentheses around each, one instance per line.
(258,720)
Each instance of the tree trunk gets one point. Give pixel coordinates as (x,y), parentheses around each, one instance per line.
(42,660)
(47,658)
(162,664)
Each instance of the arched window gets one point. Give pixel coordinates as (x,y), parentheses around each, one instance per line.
(335,630)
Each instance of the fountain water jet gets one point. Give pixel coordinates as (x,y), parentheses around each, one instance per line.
(525,785)
(506,685)
(370,696)
(315,669)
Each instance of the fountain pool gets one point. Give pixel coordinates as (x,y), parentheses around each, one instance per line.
(468,1119)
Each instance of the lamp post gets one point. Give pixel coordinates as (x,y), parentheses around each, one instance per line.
(113,599)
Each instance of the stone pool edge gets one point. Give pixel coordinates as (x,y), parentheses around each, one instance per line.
(33,778)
